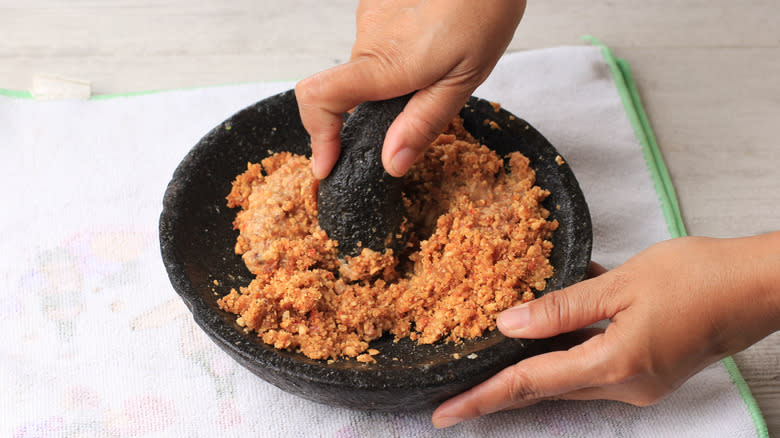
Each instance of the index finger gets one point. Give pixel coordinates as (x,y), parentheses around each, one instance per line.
(324,97)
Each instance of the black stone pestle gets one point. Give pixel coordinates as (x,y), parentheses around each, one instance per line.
(359,203)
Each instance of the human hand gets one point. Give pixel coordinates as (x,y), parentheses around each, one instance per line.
(442,49)
(673,309)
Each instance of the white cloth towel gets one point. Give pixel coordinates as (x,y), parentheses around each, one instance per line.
(95,342)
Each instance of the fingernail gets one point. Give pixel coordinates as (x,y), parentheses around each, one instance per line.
(515,318)
(318,174)
(442,422)
(402,161)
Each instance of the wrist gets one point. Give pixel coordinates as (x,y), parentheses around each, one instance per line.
(753,270)
(769,277)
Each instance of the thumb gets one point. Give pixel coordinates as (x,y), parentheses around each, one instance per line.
(422,120)
(564,310)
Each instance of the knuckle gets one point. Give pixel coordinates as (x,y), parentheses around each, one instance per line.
(622,371)
(425,128)
(557,310)
(626,365)
(618,366)
(520,386)
(615,281)
(307,91)
(610,298)
(385,59)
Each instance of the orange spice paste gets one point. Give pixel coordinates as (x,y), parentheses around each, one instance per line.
(480,242)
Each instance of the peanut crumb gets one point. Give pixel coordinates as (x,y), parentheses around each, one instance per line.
(492,124)
(365,358)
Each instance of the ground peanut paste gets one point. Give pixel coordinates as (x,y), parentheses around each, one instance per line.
(479,244)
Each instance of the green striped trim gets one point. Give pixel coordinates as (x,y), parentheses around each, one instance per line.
(15,93)
(621,73)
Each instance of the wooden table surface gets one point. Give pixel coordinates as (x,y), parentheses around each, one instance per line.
(707,70)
